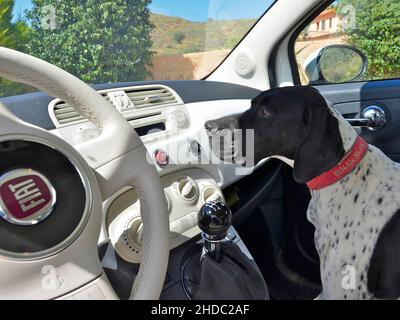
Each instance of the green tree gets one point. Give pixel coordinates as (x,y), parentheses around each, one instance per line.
(7,34)
(179,36)
(13,36)
(21,34)
(376,33)
(96,40)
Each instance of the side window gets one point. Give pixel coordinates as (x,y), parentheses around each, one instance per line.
(351,40)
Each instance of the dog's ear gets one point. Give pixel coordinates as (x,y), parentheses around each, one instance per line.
(321,148)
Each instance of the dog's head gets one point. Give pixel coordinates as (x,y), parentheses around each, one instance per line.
(291,122)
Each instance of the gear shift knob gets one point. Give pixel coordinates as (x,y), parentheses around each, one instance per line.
(214,220)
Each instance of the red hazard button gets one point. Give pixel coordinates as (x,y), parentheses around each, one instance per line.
(161,157)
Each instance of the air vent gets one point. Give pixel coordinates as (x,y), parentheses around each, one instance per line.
(65,114)
(151,97)
(126,99)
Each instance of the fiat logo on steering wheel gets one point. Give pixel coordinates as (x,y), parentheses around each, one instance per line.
(26,197)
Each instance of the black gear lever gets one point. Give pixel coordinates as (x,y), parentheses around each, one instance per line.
(221,270)
(214,220)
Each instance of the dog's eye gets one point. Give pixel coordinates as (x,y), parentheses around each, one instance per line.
(264,112)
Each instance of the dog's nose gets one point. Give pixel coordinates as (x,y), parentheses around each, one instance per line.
(211,126)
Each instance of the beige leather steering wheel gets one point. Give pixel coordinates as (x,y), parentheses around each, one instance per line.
(106,164)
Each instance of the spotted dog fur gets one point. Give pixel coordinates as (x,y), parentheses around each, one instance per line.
(357,219)
(353,218)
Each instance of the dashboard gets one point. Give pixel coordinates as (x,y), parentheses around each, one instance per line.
(169,116)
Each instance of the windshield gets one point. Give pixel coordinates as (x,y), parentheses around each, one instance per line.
(108,41)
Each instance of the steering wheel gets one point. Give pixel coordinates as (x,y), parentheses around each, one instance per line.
(51,194)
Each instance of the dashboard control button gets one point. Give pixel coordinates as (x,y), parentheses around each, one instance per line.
(181,119)
(187,188)
(210,193)
(161,157)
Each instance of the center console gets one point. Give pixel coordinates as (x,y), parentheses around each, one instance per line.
(205,249)
(185,191)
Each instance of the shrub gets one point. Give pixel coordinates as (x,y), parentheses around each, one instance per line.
(179,37)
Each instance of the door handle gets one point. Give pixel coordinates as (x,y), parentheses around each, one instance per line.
(373,118)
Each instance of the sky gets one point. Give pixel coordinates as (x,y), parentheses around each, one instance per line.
(194,10)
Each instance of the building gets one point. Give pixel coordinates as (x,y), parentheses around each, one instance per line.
(325,25)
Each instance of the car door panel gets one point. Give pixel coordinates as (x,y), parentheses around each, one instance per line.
(350,99)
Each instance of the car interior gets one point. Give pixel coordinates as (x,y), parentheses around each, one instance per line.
(128,218)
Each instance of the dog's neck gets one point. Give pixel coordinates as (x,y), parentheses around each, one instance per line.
(347,132)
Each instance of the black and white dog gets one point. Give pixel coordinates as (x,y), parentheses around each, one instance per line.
(355,188)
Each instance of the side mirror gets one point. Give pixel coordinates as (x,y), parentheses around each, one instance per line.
(335,64)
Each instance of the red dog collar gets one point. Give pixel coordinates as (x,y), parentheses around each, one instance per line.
(346,165)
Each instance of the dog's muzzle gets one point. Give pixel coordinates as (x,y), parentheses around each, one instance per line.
(225,139)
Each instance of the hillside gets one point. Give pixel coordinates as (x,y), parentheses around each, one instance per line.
(198,36)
